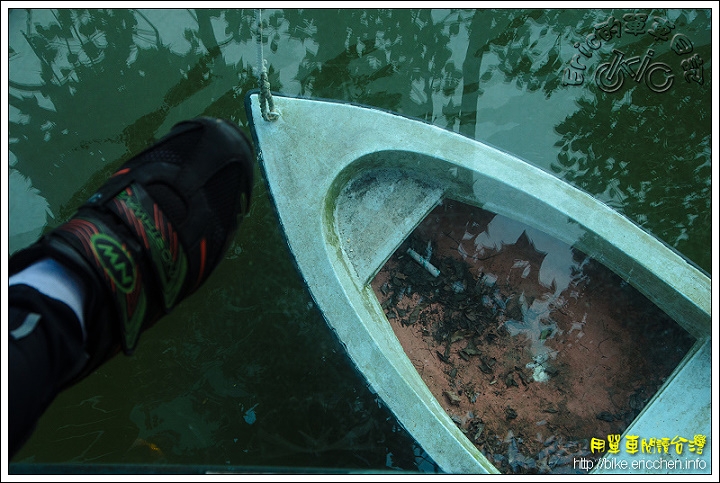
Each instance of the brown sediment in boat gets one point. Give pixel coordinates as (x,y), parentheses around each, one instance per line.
(529,369)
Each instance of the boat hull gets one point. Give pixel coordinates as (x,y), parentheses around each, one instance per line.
(350,183)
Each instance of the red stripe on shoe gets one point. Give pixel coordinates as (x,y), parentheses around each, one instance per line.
(130,217)
(158,218)
(121,171)
(203,248)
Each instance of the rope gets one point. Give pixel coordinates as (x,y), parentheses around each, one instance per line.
(267,104)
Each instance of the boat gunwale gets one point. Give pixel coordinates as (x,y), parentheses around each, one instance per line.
(251,122)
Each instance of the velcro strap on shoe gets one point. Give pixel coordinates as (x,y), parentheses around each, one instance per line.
(155,232)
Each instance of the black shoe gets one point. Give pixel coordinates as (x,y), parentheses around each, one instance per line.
(153,233)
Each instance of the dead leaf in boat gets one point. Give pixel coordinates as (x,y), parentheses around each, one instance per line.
(442,357)
(459,335)
(453,398)
(471,350)
(485,367)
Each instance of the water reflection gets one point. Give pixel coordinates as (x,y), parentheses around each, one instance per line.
(90,88)
(30,210)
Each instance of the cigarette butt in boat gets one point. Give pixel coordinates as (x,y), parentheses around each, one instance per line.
(426,264)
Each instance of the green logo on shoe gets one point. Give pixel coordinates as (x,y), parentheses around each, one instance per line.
(115,260)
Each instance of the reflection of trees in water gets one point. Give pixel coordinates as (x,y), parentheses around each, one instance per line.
(112,69)
(115,70)
(402,59)
(397,59)
(360,51)
(648,153)
(429,64)
(596,156)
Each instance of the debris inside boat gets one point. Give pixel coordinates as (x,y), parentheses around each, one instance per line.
(531,346)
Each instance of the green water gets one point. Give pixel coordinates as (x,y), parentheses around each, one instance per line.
(245,372)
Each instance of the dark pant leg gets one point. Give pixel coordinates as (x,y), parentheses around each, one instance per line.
(45,350)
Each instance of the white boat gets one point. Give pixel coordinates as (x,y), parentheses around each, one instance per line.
(350,183)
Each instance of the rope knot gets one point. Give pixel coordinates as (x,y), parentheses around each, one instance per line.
(267,104)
